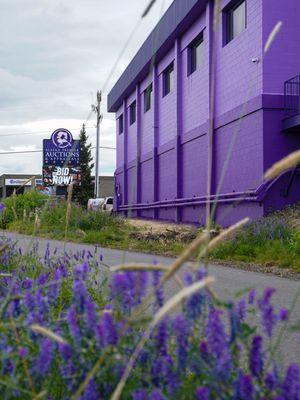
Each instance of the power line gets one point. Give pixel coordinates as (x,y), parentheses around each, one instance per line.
(39,132)
(40,151)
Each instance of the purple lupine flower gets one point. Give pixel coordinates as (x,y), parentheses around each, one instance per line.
(256,356)
(159,293)
(251,297)
(66,351)
(271,381)
(42,279)
(42,305)
(244,387)
(283,314)
(194,304)
(27,284)
(215,333)
(242,309)
(73,325)
(106,330)
(182,331)
(268,317)
(2,208)
(91,391)
(80,294)
(81,271)
(90,316)
(156,395)
(161,338)
(121,290)
(291,383)
(43,363)
(202,393)
(23,352)
(140,395)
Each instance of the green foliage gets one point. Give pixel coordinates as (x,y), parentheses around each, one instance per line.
(29,201)
(85,191)
(270,241)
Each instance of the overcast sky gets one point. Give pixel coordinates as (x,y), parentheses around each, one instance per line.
(54,55)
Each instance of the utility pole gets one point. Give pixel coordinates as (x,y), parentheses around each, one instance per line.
(97,110)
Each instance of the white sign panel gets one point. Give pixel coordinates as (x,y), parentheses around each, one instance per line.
(17,182)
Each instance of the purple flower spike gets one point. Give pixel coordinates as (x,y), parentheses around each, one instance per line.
(283,314)
(291,384)
(268,317)
(256,356)
(251,297)
(244,387)
(2,208)
(45,357)
(23,352)
(156,395)
(140,395)
(202,393)
(73,323)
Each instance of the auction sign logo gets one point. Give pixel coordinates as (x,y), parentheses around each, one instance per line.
(61,159)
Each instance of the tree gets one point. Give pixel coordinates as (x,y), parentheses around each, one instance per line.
(85,191)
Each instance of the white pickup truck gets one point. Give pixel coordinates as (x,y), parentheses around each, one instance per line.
(108,205)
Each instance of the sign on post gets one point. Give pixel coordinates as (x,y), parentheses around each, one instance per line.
(61,159)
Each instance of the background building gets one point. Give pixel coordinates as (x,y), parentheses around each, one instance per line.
(9,182)
(162,104)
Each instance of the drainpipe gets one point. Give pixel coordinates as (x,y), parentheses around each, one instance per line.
(125,133)
(155,96)
(178,152)
(138,147)
(212,23)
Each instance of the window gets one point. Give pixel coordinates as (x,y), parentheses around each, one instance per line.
(195,54)
(121,124)
(236,20)
(168,80)
(132,113)
(147,98)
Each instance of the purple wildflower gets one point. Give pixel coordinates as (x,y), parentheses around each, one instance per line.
(159,293)
(140,395)
(161,338)
(65,351)
(283,314)
(156,395)
(270,381)
(23,352)
(202,393)
(268,317)
(256,356)
(81,271)
(244,387)
(242,309)
(80,294)
(2,208)
(181,329)
(107,330)
(45,357)
(73,323)
(251,297)
(291,384)
(91,317)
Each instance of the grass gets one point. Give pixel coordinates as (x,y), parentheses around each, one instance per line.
(271,241)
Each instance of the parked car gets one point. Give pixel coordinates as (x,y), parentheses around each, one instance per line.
(95,204)
(108,205)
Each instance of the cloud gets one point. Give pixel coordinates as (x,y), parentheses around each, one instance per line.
(55,55)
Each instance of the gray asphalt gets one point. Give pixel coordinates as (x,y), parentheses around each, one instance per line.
(228,282)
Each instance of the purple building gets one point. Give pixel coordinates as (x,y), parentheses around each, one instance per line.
(163,100)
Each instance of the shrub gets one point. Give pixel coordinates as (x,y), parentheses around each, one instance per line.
(209,350)
(29,201)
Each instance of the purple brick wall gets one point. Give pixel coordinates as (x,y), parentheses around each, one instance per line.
(170,182)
